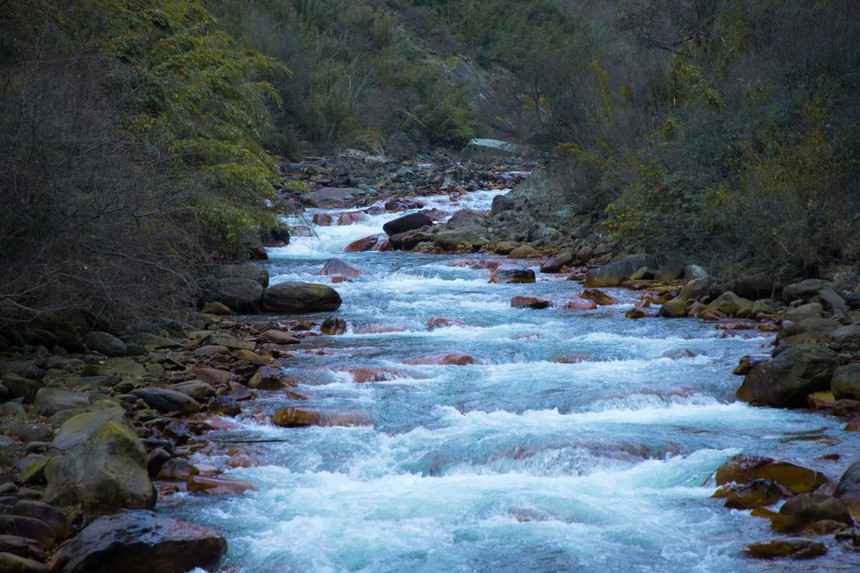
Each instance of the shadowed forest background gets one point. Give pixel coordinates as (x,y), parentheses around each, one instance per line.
(140,139)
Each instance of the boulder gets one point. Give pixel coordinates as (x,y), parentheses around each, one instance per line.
(557,263)
(298,297)
(248,271)
(804,311)
(787,379)
(746,469)
(140,542)
(239,294)
(730,304)
(524,252)
(49,401)
(848,488)
(616,272)
(365,244)
(833,301)
(406,223)
(846,382)
(279,337)
(846,337)
(331,197)
(338,267)
(790,548)
(165,400)
(675,308)
(296,418)
(410,239)
(20,387)
(502,203)
(599,297)
(696,288)
(807,508)
(512,275)
(464,218)
(196,389)
(105,343)
(804,290)
(448,359)
(756,493)
(529,302)
(467,239)
(102,466)
(216,308)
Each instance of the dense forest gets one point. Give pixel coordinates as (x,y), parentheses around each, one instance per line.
(140,139)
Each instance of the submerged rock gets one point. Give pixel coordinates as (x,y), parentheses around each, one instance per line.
(299,297)
(140,542)
(529,302)
(338,267)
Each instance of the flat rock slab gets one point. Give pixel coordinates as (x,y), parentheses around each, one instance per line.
(140,542)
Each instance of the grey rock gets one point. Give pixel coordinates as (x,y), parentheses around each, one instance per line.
(105,343)
(165,400)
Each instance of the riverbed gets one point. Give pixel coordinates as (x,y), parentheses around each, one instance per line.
(576,441)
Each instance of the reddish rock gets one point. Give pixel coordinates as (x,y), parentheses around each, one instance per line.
(213,376)
(599,297)
(364,375)
(218,486)
(635,313)
(365,244)
(296,418)
(745,469)
(350,218)
(336,267)
(323,219)
(512,275)
(580,304)
(449,359)
(337,279)
(529,302)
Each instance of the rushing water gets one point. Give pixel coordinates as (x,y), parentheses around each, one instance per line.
(516,463)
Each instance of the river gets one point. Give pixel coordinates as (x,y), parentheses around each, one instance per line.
(518,462)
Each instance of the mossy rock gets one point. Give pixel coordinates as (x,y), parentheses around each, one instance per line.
(123,367)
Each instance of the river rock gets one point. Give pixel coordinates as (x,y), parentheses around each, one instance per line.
(787,379)
(512,275)
(239,294)
(846,382)
(350,218)
(579,304)
(616,272)
(529,302)
(338,267)
(102,466)
(196,389)
(675,308)
(467,239)
(49,401)
(365,244)
(846,337)
(791,548)
(833,301)
(106,343)
(756,493)
(745,469)
(406,223)
(28,528)
(296,418)
(448,359)
(22,547)
(804,311)
(166,400)
(557,263)
(331,197)
(20,387)
(299,297)
(805,509)
(410,239)
(730,304)
(804,290)
(323,219)
(140,542)
(267,378)
(599,297)
(333,326)
(848,489)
